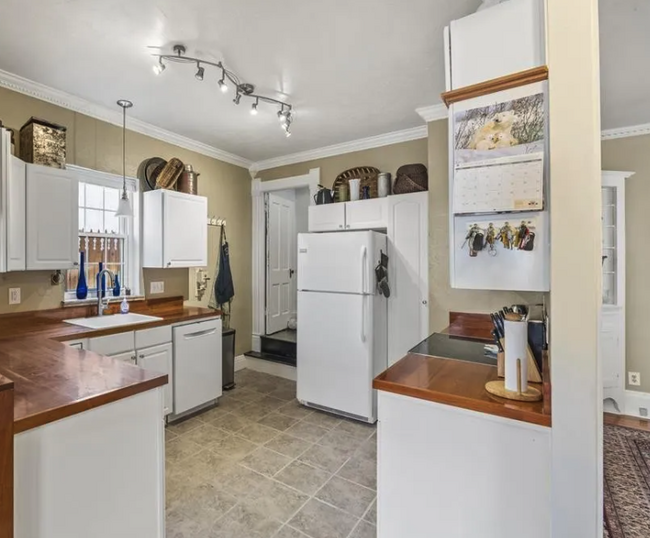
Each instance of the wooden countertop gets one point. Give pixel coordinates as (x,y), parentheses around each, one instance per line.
(53,381)
(456,383)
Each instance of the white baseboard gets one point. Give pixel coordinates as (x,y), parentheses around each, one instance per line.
(257,343)
(271,368)
(240,362)
(635,400)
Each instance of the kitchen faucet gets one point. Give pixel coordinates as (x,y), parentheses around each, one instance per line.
(101,305)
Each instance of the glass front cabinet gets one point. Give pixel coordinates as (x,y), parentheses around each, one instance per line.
(612,333)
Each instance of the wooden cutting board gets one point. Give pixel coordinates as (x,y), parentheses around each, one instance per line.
(170,173)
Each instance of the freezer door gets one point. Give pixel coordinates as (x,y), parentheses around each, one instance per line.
(335,347)
(341,262)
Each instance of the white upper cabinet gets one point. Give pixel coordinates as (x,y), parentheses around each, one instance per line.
(366,214)
(175,232)
(359,215)
(326,217)
(52,218)
(476,57)
(12,208)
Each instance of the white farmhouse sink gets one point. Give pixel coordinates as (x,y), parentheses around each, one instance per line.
(113,320)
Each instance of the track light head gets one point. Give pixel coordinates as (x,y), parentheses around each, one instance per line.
(237,98)
(287,132)
(284,116)
(159,67)
(254,108)
(223,86)
(199,73)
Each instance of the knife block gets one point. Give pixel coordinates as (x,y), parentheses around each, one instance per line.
(534,375)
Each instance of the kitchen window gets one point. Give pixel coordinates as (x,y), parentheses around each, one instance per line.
(103,237)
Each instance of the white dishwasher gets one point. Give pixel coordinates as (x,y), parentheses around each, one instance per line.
(197,364)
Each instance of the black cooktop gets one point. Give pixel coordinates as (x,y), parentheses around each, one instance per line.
(454,347)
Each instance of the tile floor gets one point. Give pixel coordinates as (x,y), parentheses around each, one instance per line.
(260,465)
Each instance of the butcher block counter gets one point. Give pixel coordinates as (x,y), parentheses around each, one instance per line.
(53,380)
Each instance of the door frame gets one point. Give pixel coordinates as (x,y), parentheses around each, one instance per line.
(258,188)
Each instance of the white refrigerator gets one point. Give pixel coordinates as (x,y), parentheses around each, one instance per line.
(342,341)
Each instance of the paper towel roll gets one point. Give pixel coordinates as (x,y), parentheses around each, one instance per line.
(516,340)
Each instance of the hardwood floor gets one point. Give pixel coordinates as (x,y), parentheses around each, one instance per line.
(625,421)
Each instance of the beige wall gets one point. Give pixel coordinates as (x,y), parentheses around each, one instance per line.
(633,154)
(98,145)
(386,159)
(442,298)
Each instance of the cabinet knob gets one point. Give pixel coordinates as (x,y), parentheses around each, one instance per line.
(132,357)
(348,226)
(340,225)
(425,302)
(142,356)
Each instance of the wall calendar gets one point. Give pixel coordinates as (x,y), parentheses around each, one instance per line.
(509,184)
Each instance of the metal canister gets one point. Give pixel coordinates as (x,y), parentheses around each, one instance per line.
(188,182)
(383,184)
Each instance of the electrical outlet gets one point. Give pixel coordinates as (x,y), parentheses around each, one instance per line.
(634,378)
(643,411)
(14,295)
(157,287)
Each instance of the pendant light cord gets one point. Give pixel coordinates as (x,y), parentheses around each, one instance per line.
(123,151)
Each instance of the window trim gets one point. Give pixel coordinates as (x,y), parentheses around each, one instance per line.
(132,231)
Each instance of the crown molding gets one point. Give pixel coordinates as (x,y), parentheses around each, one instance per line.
(433,112)
(77,104)
(346,147)
(624,132)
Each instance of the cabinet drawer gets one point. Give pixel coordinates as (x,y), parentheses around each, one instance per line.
(153,337)
(112,344)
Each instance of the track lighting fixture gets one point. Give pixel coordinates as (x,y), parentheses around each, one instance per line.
(242,89)
(159,67)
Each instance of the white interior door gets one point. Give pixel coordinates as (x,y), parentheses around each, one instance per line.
(280,242)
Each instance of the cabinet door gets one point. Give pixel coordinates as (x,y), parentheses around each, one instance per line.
(366,214)
(129,357)
(159,359)
(326,218)
(52,218)
(408,273)
(185,230)
(16,219)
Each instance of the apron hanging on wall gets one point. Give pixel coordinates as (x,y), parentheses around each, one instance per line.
(223,290)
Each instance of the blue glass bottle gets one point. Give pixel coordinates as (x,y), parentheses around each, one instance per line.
(82,287)
(117,288)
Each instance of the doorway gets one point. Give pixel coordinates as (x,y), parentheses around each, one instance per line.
(280,212)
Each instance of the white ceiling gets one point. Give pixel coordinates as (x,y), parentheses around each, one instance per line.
(353,69)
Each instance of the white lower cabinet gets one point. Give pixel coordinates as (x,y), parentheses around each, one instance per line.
(159,359)
(192,361)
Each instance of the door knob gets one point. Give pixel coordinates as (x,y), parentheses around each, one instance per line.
(291,272)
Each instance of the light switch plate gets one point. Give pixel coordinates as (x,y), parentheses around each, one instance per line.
(157,287)
(14,295)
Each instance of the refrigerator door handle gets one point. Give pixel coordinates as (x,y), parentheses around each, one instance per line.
(364,257)
(363,318)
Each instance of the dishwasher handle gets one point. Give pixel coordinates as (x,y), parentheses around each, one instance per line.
(199,334)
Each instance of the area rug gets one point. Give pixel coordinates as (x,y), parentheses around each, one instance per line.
(627,483)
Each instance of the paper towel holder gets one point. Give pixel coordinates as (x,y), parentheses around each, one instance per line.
(498,388)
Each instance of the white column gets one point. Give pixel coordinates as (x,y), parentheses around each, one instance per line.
(573,60)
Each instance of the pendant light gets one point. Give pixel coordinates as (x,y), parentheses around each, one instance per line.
(124,207)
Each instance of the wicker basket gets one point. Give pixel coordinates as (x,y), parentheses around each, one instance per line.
(411,178)
(367,174)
